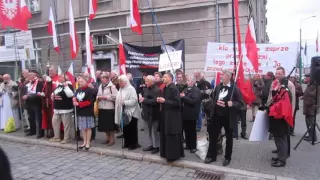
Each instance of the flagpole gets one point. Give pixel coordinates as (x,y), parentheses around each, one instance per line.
(234,39)
(158,28)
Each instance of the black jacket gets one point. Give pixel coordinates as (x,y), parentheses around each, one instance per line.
(65,103)
(203,85)
(150,107)
(34,100)
(85,96)
(237,102)
(191,104)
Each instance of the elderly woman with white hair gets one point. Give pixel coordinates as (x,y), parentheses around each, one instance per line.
(127,112)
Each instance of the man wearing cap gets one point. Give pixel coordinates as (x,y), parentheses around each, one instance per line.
(34,104)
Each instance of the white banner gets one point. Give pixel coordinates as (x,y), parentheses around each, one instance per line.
(220,56)
(166,65)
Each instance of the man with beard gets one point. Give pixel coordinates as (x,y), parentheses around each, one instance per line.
(227,101)
(51,82)
(171,145)
(151,113)
(190,112)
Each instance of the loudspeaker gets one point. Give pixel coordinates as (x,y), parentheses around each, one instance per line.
(315,69)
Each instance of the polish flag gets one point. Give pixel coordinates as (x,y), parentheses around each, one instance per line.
(59,70)
(92,9)
(251,46)
(122,57)
(24,10)
(70,74)
(89,49)
(73,34)
(135,21)
(317,42)
(52,30)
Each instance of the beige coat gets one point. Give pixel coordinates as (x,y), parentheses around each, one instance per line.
(110,91)
(127,96)
(292,91)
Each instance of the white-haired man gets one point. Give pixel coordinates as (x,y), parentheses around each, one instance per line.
(225,107)
(151,113)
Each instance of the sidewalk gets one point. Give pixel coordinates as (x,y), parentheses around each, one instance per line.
(249,158)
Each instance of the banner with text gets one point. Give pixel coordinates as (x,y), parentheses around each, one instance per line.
(220,56)
(141,60)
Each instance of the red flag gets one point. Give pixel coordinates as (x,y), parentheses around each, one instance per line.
(89,49)
(282,108)
(14,14)
(217,79)
(92,9)
(52,30)
(73,34)
(317,42)
(122,57)
(251,45)
(135,21)
(245,87)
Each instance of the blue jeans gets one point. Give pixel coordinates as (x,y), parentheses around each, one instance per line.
(201,116)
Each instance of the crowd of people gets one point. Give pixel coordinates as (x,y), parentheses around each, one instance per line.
(171,109)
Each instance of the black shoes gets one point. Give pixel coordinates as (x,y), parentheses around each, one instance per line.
(192,151)
(244,137)
(274,151)
(278,163)
(155,150)
(209,160)
(226,162)
(150,148)
(120,136)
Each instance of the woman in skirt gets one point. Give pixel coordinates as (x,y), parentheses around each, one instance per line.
(106,97)
(84,100)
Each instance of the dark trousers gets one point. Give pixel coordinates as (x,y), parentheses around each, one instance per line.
(294,120)
(243,120)
(35,120)
(190,131)
(130,134)
(282,147)
(214,129)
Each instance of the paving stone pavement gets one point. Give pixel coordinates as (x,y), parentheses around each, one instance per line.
(34,162)
(253,156)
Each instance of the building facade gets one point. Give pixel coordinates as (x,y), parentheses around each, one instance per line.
(192,20)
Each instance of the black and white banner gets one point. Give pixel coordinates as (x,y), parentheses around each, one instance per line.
(141,60)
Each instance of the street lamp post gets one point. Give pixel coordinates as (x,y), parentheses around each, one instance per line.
(300,52)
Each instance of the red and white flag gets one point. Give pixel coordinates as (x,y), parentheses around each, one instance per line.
(92,9)
(135,20)
(70,74)
(251,46)
(122,57)
(89,49)
(217,79)
(59,70)
(52,31)
(317,42)
(14,14)
(73,34)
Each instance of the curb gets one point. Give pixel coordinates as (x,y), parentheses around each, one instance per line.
(145,157)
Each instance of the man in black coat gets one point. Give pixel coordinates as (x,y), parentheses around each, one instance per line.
(151,113)
(227,101)
(171,144)
(190,112)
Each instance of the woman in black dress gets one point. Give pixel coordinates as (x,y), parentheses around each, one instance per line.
(107,94)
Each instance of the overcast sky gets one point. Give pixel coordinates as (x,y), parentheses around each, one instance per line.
(284,18)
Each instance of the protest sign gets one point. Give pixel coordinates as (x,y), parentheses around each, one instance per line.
(166,64)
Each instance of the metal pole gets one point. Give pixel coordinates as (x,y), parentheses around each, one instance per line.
(158,28)
(217,22)
(234,38)
(300,56)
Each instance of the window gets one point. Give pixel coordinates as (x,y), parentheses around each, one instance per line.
(101,40)
(34,5)
(37,54)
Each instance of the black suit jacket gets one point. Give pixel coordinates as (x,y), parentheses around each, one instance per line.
(237,102)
